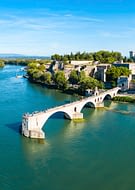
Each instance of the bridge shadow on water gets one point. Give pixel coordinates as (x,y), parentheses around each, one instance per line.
(58,115)
(15,127)
(55,125)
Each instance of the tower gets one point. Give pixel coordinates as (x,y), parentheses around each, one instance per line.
(132,54)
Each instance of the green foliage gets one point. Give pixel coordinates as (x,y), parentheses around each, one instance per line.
(107,57)
(90,83)
(35,70)
(56,57)
(124,99)
(73,78)
(32,65)
(37,75)
(129,60)
(114,72)
(101,56)
(82,76)
(43,61)
(21,62)
(60,80)
(114,84)
(25,62)
(2,64)
(41,67)
(46,78)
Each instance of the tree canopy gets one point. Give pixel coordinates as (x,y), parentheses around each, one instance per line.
(73,77)
(90,83)
(60,80)
(100,56)
(114,72)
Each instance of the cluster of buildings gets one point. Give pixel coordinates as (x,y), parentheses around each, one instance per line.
(98,71)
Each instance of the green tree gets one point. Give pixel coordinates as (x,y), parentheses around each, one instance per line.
(56,57)
(90,83)
(101,56)
(36,75)
(107,57)
(73,77)
(82,76)
(114,72)
(60,80)
(46,77)
(35,70)
(32,65)
(42,67)
(65,60)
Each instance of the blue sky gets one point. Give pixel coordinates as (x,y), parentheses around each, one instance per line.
(46,27)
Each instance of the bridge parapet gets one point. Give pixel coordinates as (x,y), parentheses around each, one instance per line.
(32,123)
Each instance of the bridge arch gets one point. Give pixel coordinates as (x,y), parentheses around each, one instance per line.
(89,104)
(65,114)
(32,124)
(53,125)
(107,97)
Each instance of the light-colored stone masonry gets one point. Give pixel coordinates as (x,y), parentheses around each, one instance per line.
(32,123)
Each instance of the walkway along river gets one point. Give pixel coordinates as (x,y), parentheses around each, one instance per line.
(96,154)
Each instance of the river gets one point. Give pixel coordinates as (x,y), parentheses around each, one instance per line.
(96,154)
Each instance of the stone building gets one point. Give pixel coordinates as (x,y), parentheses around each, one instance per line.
(123,82)
(101,71)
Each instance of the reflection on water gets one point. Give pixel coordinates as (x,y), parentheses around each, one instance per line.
(73,129)
(35,149)
(59,127)
(58,98)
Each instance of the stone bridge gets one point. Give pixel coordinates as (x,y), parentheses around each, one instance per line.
(32,123)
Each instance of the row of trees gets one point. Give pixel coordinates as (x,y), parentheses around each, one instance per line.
(25,62)
(100,56)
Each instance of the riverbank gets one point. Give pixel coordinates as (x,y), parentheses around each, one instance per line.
(69,90)
(130,98)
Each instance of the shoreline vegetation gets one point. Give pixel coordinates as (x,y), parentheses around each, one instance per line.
(53,73)
(123,98)
(70,90)
(2,64)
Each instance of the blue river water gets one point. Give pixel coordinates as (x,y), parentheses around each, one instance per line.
(97,154)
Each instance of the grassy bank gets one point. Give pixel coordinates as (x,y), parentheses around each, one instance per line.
(124,99)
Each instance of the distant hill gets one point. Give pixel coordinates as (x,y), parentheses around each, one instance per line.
(6,55)
(19,56)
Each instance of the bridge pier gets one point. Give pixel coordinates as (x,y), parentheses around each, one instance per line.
(99,105)
(38,134)
(35,134)
(32,123)
(77,115)
(31,129)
